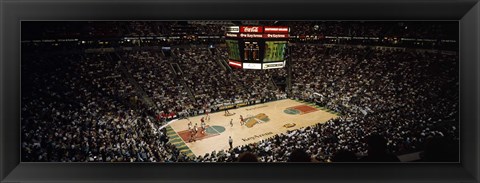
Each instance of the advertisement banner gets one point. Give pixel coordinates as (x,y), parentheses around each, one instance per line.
(252,65)
(276,29)
(270,36)
(273,65)
(235,64)
(241,104)
(231,35)
(251,29)
(251,35)
(226,107)
(276,36)
(233,29)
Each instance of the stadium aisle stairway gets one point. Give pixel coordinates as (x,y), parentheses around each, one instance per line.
(174,138)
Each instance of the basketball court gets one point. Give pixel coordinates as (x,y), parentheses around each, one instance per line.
(261,122)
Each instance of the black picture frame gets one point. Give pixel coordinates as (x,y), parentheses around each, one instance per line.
(467,12)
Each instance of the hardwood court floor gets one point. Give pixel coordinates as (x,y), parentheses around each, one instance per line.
(275,115)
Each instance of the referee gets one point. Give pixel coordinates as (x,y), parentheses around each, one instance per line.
(230,141)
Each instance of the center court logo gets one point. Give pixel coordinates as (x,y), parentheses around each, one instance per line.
(254,120)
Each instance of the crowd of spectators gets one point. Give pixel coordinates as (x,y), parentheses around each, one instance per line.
(113,29)
(83,109)
(213,85)
(99,115)
(154,74)
(89,34)
(407,98)
(103,106)
(404,95)
(423,30)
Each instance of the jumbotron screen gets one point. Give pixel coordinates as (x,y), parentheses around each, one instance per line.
(274,51)
(257,47)
(233,51)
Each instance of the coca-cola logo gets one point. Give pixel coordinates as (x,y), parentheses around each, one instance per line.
(251,29)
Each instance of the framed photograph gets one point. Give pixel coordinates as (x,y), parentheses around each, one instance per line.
(225,91)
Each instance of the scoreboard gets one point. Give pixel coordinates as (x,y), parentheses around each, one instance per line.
(257,47)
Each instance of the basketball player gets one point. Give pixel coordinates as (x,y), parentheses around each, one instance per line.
(203,127)
(192,136)
(241,120)
(206,116)
(194,132)
(230,142)
(189,125)
(227,113)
